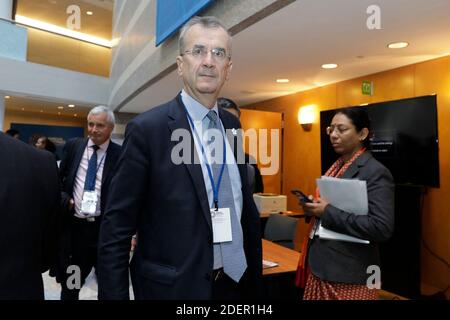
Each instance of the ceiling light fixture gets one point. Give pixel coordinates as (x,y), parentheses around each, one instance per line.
(62,31)
(60,107)
(329,66)
(71,106)
(89,13)
(282,80)
(7,97)
(397,45)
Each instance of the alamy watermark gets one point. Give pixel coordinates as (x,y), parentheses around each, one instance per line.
(73,22)
(374,20)
(74,279)
(374,280)
(263,145)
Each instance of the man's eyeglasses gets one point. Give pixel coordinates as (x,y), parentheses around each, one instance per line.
(219,54)
(340,129)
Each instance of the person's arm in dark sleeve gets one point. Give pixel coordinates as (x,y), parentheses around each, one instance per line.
(125,198)
(259,184)
(64,172)
(378,224)
(50,245)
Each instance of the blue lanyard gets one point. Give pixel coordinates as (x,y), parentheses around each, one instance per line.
(211,178)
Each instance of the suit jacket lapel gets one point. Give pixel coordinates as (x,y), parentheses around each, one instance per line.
(235,141)
(353,170)
(79,151)
(178,120)
(108,160)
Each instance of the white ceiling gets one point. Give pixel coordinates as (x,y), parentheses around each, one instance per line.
(296,40)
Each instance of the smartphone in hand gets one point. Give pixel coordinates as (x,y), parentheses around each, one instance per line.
(303,199)
(301,196)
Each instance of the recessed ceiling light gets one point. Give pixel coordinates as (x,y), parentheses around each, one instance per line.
(89,13)
(7,97)
(282,80)
(398,45)
(60,107)
(71,106)
(329,66)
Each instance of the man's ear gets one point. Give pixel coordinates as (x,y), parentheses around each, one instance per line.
(229,67)
(180,65)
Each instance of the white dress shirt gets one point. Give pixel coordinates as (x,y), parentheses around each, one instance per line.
(80,177)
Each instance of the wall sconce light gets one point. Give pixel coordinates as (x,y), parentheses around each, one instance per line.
(306,117)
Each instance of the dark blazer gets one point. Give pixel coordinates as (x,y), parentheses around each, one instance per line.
(73,152)
(167,205)
(29,200)
(347,262)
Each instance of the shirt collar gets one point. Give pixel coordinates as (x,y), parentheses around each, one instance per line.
(196,110)
(102,147)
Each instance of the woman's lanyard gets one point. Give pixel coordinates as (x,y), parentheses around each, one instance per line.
(208,167)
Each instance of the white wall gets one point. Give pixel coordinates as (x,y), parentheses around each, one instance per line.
(54,84)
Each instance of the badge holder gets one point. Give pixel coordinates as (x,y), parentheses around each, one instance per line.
(89,204)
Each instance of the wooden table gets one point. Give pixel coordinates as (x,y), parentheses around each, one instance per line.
(294,214)
(286,258)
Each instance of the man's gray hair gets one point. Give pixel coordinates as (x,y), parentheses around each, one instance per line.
(208,22)
(103,109)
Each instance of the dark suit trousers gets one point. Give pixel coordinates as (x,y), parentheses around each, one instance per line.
(224,288)
(83,253)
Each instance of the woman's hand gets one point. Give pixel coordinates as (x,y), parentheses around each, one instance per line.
(316,208)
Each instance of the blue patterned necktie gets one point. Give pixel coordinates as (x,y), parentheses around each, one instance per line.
(91,174)
(233,256)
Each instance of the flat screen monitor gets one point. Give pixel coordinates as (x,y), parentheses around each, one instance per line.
(405,139)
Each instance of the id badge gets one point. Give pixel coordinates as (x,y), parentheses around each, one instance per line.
(221,224)
(89,203)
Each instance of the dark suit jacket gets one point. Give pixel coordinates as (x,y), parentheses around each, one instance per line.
(168,206)
(73,152)
(347,262)
(29,200)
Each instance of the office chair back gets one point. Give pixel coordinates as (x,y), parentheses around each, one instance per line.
(281,229)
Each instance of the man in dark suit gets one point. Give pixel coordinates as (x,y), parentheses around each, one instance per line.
(86,170)
(29,202)
(175,205)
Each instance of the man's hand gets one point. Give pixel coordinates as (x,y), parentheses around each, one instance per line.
(71,204)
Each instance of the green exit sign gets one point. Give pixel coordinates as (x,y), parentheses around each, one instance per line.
(367,88)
